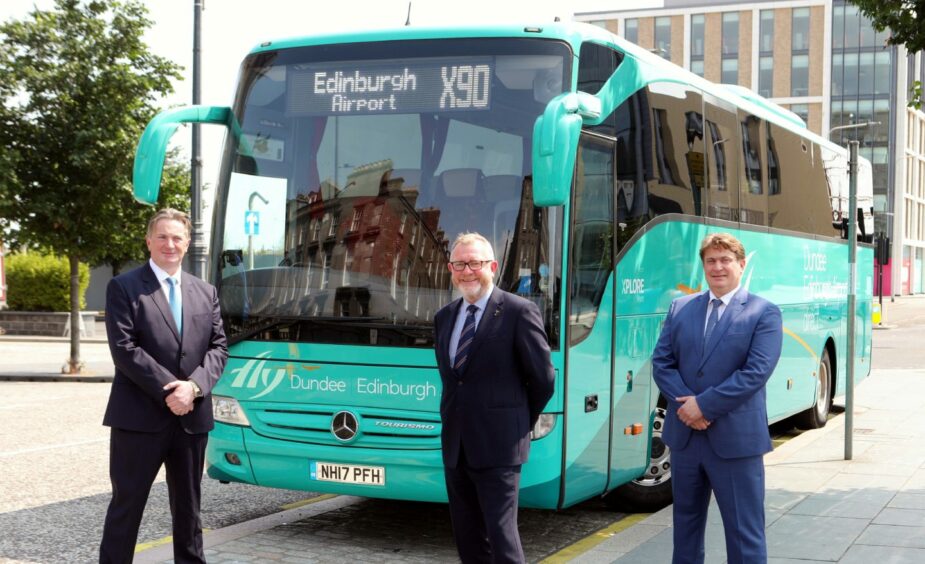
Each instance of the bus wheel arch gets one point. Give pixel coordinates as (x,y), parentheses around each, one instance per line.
(817,414)
(651,491)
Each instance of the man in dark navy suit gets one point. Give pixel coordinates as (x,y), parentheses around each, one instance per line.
(169,349)
(712,361)
(493,356)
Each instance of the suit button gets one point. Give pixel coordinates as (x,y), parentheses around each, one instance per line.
(182,355)
(459,382)
(700,374)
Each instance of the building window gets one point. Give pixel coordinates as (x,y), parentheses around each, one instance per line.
(730,40)
(800,30)
(663,37)
(852,21)
(766,54)
(325,270)
(766,32)
(332,227)
(766,76)
(730,71)
(882,66)
(697,23)
(799,75)
(801,110)
(730,34)
(697,27)
(348,266)
(316,228)
(697,67)
(631,30)
(355,222)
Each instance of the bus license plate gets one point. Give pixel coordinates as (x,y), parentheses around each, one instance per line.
(347,473)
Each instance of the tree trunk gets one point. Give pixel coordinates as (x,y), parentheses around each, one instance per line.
(73,363)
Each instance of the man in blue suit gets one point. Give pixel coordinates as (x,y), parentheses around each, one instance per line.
(493,357)
(169,349)
(716,351)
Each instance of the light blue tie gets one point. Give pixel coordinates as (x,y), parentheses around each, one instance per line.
(175,304)
(711,321)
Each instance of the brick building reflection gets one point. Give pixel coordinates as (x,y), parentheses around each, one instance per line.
(367,249)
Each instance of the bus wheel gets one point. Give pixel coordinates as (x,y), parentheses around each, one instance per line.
(816,416)
(652,490)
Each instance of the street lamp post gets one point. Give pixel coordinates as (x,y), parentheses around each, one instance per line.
(198,246)
(852,280)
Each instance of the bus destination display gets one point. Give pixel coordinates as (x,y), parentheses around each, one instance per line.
(416,86)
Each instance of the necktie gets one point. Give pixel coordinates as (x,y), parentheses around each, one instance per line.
(465,339)
(175,304)
(711,321)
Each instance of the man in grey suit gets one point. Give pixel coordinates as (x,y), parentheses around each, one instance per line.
(169,349)
(715,354)
(493,357)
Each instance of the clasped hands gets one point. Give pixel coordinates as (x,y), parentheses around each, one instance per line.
(689,413)
(180,400)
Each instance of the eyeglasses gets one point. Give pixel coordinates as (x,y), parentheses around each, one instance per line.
(724,261)
(474,265)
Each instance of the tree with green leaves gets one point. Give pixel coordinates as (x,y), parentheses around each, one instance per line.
(905,20)
(78,85)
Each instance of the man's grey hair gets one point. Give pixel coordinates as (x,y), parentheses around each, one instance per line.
(470,238)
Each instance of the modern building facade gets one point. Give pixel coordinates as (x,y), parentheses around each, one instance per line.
(824,61)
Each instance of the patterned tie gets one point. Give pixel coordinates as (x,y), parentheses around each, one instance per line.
(175,304)
(711,321)
(465,339)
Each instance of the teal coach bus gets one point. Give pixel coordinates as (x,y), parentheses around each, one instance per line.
(351,163)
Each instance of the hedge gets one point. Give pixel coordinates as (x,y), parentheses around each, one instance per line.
(38,282)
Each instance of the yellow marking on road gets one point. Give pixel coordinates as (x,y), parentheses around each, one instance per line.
(308,501)
(584,545)
(142,546)
(802,342)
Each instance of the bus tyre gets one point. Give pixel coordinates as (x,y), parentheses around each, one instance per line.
(816,416)
(651,491)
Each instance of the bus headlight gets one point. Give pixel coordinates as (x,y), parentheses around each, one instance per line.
(544,426)
(228,410)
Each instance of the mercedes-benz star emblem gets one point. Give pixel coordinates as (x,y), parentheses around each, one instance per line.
(344,426)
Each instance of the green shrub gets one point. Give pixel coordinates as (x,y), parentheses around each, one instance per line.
(37,282)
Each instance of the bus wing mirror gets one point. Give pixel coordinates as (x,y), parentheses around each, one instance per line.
(152,148)
(555,143)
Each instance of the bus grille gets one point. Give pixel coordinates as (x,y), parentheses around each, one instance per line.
(376,428)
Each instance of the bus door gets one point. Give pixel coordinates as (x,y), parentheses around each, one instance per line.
(590,321)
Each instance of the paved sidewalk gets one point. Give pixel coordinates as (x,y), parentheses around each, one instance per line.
(821,507)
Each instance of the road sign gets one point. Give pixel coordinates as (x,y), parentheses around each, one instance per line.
(251,223)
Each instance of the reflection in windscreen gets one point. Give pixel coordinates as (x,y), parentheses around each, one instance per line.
(351,179)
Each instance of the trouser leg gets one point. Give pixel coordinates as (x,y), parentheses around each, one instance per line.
(690,488)
(134,460)
(185,462)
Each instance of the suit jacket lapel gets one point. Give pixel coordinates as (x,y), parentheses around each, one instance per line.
(447,331)
(699,311)
(490,317)
(160,300)
(734,308)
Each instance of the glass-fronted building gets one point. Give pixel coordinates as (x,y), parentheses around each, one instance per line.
(825,62)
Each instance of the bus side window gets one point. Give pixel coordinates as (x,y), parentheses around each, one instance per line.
(723,148)
(677,139)
(592,233)
(753,202)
